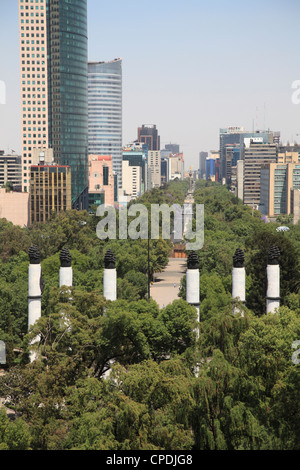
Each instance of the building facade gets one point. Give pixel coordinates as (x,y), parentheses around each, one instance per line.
(34,81)
(148,134)
(154,165)
(176,166)
(132,180)
(136,157)
(53,50)
(101,180)
(202,164)
(105,111)
(295,205)
(50,191)
(11,171)
(277,184)
(256,154)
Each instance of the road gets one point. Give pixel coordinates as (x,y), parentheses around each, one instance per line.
(163,290)
(166,284)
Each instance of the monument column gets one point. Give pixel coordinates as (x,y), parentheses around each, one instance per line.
(273,275)
(238,278)
(193,282)
(35,289)
(65,270)
(110,276)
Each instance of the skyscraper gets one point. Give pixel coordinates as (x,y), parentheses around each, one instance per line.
(53,48)
(202,164)
(148,134)
(105,112)
(255,155)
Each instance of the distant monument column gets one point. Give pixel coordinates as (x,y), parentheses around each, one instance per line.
(110,276)
(238,278)
(65,270)
(193,282)
(34,289)
(273,275)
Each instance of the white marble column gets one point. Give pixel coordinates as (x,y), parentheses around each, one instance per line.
(34,291)
(238,279)
(193,283)
(110,277)
(273,275)
(65,270)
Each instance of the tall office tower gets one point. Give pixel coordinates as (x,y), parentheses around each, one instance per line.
(154,165)
(237,136)
(202,164)
(232,154)
(228,136)
(53,48)
(105,112)
(165,165)
(277,182)
(148,134)
(255,155)
(34,81)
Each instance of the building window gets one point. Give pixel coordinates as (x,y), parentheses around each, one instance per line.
(105,175)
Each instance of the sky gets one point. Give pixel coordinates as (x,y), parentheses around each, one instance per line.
(190,67)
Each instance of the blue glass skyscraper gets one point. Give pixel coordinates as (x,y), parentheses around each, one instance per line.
(105,112)
(67,78)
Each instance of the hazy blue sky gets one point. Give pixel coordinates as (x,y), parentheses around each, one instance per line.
(190,67)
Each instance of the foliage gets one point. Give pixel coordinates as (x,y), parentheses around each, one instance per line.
(126,375)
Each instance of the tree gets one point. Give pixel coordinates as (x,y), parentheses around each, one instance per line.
(14,435)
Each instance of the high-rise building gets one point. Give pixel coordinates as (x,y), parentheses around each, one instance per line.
(53,54)
(277,182)
(202,164)
(154,165)
(232,154)
(165,169)
(105,112)
(176,166)
(212,166)
(228,136)
(11,170)
(148,134)
(239,137)
(137,157)
(132,180)
(50,191)
(255,155)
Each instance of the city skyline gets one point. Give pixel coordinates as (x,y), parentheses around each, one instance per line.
(189,68)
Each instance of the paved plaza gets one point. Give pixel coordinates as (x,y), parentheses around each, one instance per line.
(165,287)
